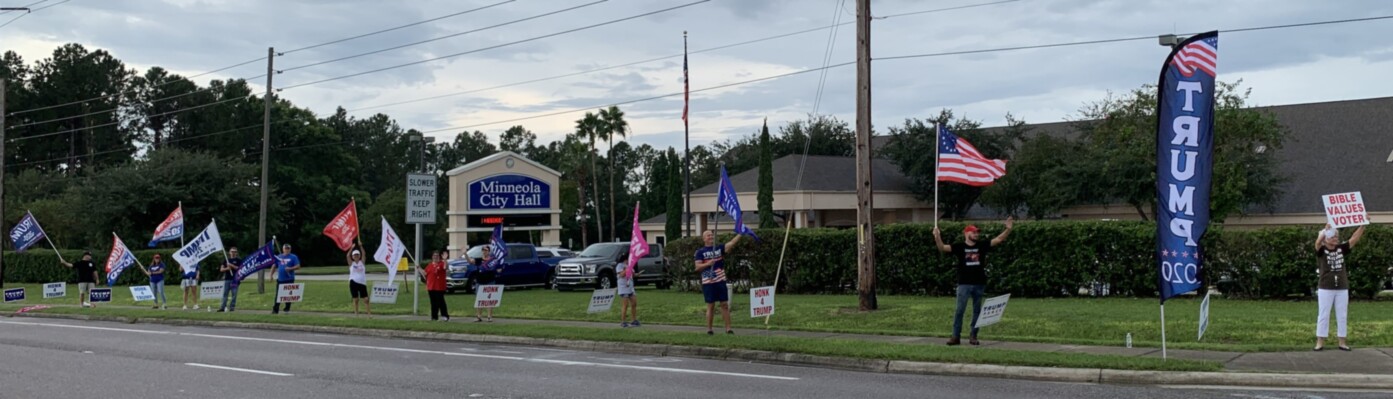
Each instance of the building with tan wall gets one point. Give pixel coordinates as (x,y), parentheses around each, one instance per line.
(504,188)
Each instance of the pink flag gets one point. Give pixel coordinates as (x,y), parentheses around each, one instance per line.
(638,247)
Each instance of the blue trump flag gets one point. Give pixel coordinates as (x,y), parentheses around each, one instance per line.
(257,261)
(498,248)
(729,202)
(26,233)
(1184,161)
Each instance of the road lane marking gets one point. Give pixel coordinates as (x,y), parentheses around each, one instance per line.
(239,369)
(420,351)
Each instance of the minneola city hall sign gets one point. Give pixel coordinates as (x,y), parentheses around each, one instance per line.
(504,188)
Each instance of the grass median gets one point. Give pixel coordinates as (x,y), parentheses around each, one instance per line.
(1235,325)
(812,346)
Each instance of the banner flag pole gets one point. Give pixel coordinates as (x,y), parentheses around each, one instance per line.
(937,137)
(1163,331)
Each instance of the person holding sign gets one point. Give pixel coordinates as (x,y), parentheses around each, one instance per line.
(628,303)
(486,275)
(972,274)
(1334,282)
(358,280)
(286,265)
(156,274)
(710,261)
(86,277)
(435,286)
(229,276)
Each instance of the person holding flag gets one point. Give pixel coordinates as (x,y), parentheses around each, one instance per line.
(156,274)
(728,201)
(638,248)
(118,260)
(710,262)
(229,276)
(490,267)
(86,277)
(972,274)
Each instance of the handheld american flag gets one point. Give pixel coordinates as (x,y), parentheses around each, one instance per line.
(172,228)
(727,201)
(960,162)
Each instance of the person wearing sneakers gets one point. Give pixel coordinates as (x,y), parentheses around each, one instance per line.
(972,274)
(189,283)
(628,303)
(358,280)
(86,277)
(229,276)
(710,262)
(156,273)
(1333,287)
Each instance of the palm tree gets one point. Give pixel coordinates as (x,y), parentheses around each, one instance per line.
(614,125)
(573,164)
(590,128)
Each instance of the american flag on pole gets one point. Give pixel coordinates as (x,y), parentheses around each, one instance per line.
(960,162)
(686,82)
(1202,55)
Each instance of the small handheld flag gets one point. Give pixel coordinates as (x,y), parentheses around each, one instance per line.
(638,246)
(389,250)
(119,259)
(257,261)
(960,162)
(498,248)
(343,229)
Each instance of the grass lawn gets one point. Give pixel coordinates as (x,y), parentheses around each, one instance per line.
(1235,325)
(814,346)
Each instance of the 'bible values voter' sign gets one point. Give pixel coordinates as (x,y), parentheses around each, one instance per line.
(1344,210)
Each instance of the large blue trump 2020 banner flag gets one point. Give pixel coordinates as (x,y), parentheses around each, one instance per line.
(1184,161)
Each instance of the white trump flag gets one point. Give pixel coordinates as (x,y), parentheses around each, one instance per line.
(206,243)
(389,252)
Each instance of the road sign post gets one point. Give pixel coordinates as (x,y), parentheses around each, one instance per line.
(420,209)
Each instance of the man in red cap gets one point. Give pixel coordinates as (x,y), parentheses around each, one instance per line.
(972,275)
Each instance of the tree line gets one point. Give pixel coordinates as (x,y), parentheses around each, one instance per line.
(96,147)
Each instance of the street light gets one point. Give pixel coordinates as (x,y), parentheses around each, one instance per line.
(1169,40)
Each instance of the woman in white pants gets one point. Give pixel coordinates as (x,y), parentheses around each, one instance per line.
(1334,283)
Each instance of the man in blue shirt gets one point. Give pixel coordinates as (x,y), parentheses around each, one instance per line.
(286,265)
(710,261)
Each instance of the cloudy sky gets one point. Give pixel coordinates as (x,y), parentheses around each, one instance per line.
(1281,66)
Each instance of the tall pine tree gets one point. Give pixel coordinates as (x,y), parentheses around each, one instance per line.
(766,179)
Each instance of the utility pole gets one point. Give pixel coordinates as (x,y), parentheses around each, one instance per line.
(267,100)
(2,177)
(865,205)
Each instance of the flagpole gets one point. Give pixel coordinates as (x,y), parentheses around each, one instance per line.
(937,137)
(220,243)
(358,228)
(1163,331)
(50,241)
(181,229)
(780,269)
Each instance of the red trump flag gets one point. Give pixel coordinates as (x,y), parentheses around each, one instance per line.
(344,228)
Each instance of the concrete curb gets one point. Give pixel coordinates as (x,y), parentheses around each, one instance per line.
(1103,376)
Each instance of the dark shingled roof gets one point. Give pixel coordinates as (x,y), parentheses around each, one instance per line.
(823,173)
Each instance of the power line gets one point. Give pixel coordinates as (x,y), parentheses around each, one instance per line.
(246,62)
(910,56)
(50,5)
(442,37)
(606,68)
(76,156)
(25,6)
(116,123)
(395,28)
(610,22)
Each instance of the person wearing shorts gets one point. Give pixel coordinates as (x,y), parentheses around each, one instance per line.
(189,283)
(628,303)
(710,262)
(86,277)
(358,280)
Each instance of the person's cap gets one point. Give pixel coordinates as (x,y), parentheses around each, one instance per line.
(86,253)
(356,252)
(971,228)
(157,256)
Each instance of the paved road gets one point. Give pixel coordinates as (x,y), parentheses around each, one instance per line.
(43,358)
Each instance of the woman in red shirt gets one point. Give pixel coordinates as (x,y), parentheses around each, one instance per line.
(435,287)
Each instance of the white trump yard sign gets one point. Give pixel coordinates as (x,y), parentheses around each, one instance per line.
(992,310)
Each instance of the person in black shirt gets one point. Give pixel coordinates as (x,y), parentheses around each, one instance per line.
(86,278)
(972,274)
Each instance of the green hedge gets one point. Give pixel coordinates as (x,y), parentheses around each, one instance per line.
(39,265)
(1040,259)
